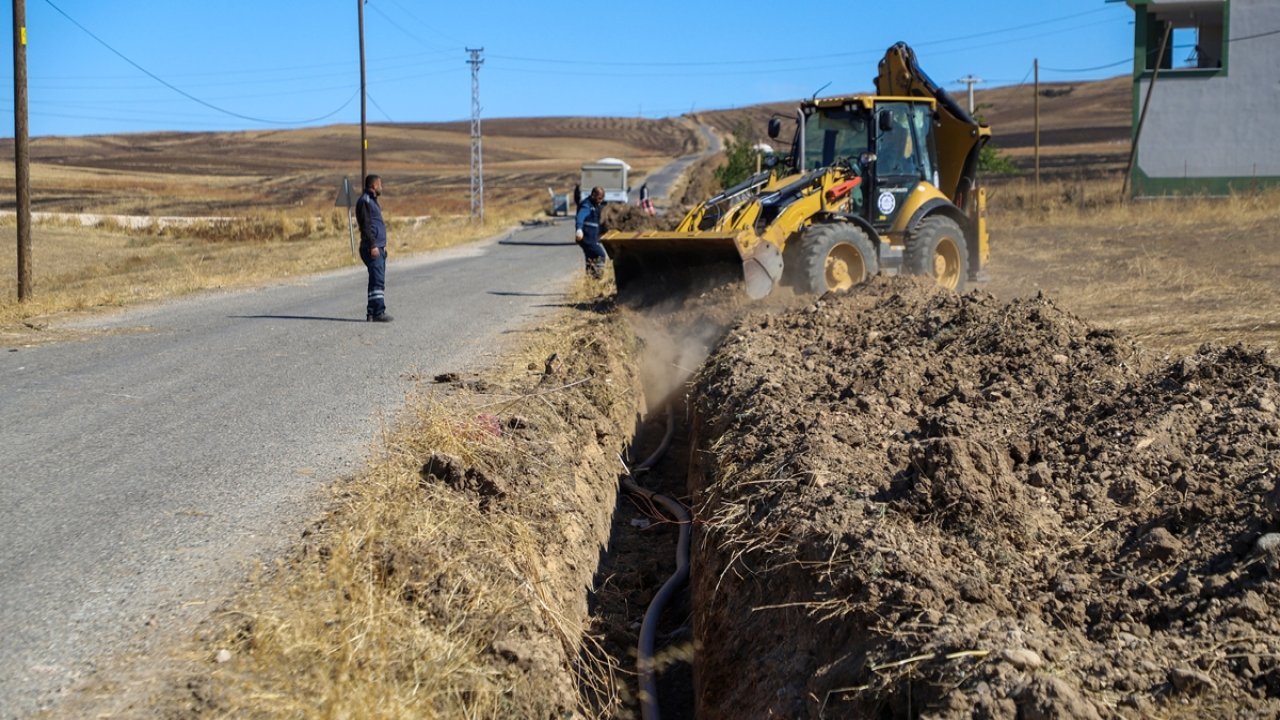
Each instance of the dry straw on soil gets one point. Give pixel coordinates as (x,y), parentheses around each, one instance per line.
(1174,273)
(450,579)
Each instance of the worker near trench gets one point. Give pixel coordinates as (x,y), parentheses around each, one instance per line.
(586,225)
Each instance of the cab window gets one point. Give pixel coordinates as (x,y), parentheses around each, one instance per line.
(835,134)
(902,141)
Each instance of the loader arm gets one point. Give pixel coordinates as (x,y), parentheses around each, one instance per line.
(959,136)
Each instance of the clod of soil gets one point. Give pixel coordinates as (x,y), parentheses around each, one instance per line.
(619,216)
(917,503)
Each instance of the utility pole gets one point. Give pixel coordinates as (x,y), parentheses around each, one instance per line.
(477,160)
(21,152)
(364,137)
(1142,116)
(970,80)
(1036,104)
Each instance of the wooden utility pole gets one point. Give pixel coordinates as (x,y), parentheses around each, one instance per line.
(364,137)
(21,153)
(1036,65)
(1142,116)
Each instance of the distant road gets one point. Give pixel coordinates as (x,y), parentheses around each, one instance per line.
(661,181)
(143,468)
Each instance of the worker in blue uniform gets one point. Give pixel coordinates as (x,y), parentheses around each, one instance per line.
(586,226)
(373,247)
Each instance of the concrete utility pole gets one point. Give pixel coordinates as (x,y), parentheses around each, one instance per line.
(364,137)
(970,80)
(477,160)
(21,152)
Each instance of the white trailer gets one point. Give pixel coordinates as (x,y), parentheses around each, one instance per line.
(610,174)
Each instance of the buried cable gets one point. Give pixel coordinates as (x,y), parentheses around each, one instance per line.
(649,628)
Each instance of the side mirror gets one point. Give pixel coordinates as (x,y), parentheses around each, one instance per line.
(775,128)
(885,121)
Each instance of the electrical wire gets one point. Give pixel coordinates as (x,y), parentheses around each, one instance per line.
(1257,35)
(396,25)
(385,114)
(805,58)
(188,95)
(1088,69)
(645,660)
(457,43)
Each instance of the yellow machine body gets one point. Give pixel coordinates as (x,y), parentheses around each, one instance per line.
(933,208)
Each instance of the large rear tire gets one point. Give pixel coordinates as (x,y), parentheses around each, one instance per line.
(936,248)
(834,257)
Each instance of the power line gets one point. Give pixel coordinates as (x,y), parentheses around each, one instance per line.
(133,82)
(396,25)
(1088,69)
(385,114)
(188,95)
(1258,35)
(672,68)
(805,58)
(426,25)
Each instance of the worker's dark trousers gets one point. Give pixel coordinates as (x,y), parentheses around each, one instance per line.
(594,254)
(377,280)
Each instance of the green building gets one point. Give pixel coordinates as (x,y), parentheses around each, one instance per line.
(1210,72)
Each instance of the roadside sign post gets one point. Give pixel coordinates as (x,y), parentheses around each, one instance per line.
(344,200)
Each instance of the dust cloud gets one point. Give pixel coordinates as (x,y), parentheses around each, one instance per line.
(678,334)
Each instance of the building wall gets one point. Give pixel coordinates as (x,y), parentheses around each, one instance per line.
(1215,130)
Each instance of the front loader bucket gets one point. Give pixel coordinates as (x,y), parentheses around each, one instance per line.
(652,264)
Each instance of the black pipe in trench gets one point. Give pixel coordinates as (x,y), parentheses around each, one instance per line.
(649,628)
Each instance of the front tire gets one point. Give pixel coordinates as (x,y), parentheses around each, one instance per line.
(937,248)
(834,257)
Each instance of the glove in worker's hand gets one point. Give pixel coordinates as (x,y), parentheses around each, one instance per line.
(578,236)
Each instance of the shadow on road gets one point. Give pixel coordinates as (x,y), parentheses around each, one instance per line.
(513,293)
(536,244)
(601,306)
(295,317)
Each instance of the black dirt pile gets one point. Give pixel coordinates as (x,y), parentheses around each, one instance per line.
(630,218)
(699,183)
(913,503)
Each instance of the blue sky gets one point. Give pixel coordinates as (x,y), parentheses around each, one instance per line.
(115,66)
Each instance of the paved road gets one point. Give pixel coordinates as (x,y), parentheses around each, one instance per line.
(141,471)
(661,180)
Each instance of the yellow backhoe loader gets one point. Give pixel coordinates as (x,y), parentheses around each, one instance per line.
(866,173)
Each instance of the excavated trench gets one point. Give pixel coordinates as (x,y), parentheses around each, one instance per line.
(907,502)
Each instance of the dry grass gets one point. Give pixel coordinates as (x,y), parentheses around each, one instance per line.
(413,599)
(1173,273)
(78,268)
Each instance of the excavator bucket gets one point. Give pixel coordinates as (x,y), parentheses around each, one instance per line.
(657,261)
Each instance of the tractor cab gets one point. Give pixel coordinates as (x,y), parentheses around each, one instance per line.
(887,142)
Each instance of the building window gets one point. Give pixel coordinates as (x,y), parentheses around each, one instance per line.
(1197,35)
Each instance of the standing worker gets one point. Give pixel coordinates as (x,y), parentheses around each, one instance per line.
(373,247)
(645,203)
(587,232)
